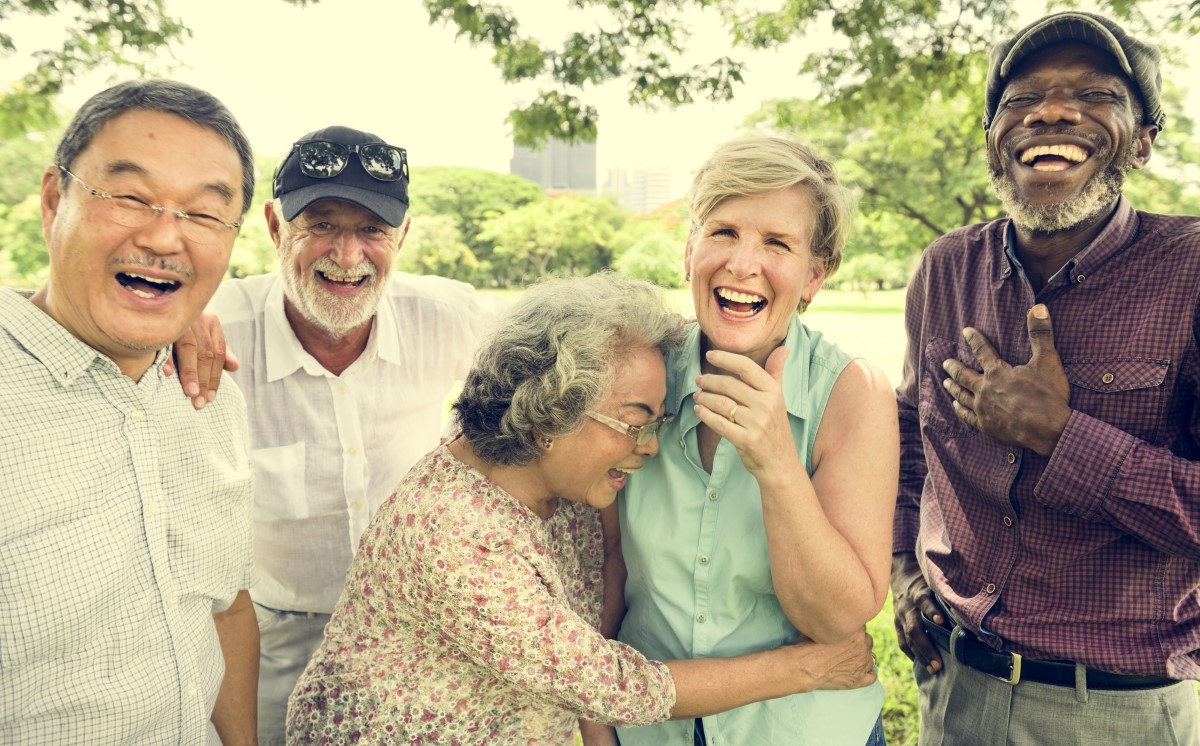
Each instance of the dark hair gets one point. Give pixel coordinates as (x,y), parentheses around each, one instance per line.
(169,97)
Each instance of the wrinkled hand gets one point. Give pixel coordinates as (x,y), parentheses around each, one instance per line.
(200,355)
(848,664)
(911,595)
(1025,405)
(759,429)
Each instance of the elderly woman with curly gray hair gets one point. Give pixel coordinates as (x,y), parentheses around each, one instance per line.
(471,612)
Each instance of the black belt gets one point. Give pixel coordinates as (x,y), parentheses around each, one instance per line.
(1011,668)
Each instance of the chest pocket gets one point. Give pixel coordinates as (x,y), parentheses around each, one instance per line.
(936,408)
(1126,393)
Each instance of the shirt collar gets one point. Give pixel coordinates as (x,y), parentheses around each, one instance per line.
(1117,233)
(683,366)
(62,353)
(285,355)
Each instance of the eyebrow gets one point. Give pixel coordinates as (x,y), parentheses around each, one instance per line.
(716,224)
(639,405)
(118,168)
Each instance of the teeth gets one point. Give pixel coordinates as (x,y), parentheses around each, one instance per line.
(626,471)
(1072,153)
(736,297)
(142,293)
(164,283)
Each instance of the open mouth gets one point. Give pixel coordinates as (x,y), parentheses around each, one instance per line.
(1053,157)
(735,303)
(620,476)
(146,287)
(343,280)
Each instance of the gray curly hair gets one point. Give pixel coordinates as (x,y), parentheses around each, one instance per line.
(554,357)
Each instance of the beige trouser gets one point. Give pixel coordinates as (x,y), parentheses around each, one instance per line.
(963,707)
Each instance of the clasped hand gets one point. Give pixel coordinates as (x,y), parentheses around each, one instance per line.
(747,407)
(1025,405)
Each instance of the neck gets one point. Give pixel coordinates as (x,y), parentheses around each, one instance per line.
(1044,254)
(133,365)
(523,483)
(335,354)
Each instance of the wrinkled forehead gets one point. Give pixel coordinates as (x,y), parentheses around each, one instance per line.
(328,209)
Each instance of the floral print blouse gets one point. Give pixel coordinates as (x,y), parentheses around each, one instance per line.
(467,619)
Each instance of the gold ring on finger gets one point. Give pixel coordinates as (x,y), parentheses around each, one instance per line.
(732,416)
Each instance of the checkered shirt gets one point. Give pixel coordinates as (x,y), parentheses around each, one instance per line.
(124,525)
(1092,555)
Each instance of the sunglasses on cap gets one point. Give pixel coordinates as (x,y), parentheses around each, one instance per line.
(325,159)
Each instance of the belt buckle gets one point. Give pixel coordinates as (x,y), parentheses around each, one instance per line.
(958,644)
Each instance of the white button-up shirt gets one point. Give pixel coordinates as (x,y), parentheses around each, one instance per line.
(327,450)
(124,525)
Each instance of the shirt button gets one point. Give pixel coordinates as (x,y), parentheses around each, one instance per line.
(1011,458)
(1080,278)
(704,559)
(712,495)
(137,415)
(358,505)
(151,507)
(342,389)
(1007,521)
(1108,378)
(353,453)
(701,618)
(991,588)
(172,602)
(192,690)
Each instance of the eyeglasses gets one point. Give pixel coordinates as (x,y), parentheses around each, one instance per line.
(640,433)
(135,212)
(324,159)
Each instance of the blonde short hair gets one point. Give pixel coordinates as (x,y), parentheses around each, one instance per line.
(755,165)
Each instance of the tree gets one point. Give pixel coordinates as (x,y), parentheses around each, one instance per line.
(435,247)
(867,52)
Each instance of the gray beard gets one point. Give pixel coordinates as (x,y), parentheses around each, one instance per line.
(1100,192)
(333,315)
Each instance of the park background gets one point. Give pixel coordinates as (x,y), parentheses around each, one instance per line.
(891,89)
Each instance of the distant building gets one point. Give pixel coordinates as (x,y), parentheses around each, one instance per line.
(641,190)
(557,166)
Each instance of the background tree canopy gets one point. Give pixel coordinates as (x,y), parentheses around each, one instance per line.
(898,107)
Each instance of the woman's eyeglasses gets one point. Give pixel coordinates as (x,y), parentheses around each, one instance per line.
(324,159)
(640,433)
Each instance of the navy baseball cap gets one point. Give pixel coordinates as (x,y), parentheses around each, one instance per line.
(332,163)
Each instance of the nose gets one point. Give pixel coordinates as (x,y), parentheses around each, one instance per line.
(649,448)
(346,249)
(743,259)
(1055,107)
(163,234)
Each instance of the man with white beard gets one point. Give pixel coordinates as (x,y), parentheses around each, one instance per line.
(345,365)
(1046,564)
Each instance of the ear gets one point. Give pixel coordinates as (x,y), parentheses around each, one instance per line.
(817,278)
(51,196)
(404,231)
(687,259)
(1143,146)
(272,221)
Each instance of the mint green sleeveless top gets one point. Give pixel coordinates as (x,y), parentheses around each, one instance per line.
(699,581)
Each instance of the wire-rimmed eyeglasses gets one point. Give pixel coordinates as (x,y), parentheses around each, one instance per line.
(135,212)
(640,433)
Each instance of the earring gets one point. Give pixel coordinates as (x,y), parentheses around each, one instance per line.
(547,443)
(804,304)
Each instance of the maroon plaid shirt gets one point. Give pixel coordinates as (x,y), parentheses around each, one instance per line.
(1092,555)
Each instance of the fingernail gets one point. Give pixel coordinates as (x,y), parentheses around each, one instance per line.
(193,389)
(1040,312)
(212,394)
(199,402)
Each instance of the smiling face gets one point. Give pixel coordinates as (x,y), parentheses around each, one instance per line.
(128,292)
(592,465)
(335,258)
(751,268)
(1064,137)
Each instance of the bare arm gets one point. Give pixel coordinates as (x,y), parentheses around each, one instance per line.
(236,713)
(712,685)
(828,536)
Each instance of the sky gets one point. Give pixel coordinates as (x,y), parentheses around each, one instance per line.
(381,67)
